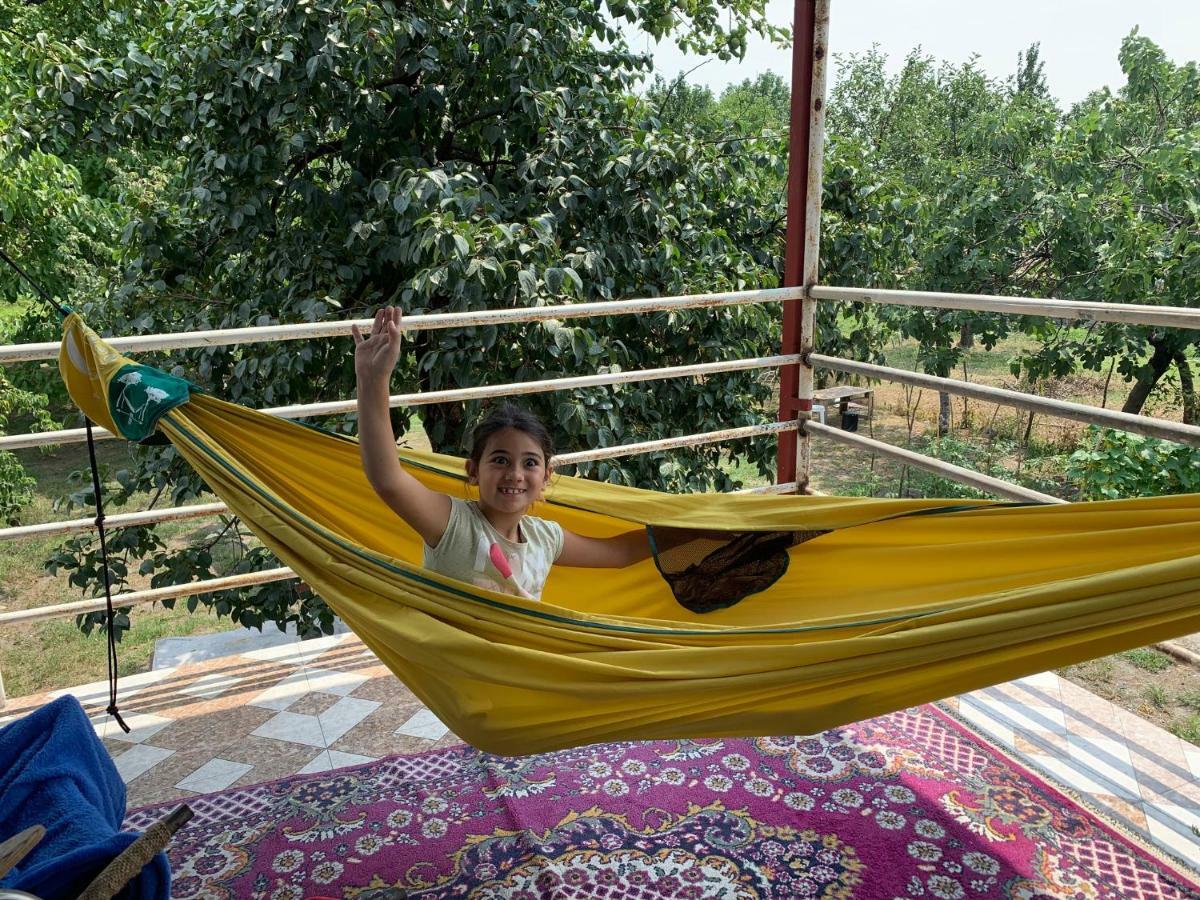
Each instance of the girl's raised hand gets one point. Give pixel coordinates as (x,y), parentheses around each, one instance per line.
(375,355)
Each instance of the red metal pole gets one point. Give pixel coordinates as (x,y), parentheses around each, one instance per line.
(803,40)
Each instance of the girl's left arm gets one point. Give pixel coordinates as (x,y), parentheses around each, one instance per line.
(604,553)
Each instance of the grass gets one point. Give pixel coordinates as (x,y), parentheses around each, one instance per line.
(1190,699)
(1095,671)
(23,581)
(746,472)
(1157,695)
(980,420)
(1188,730)
(55,653)
(981,363)
(1149,660)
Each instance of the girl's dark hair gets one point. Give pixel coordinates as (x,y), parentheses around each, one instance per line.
(510,416)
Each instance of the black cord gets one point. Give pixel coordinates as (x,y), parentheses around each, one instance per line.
(111,615)
(62,310)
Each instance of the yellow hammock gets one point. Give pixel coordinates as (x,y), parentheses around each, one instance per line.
(896,603)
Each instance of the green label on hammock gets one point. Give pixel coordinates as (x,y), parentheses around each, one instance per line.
(139,395)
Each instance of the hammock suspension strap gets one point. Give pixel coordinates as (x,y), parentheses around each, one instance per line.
(110,614)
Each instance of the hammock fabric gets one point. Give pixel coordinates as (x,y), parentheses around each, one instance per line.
(852,607)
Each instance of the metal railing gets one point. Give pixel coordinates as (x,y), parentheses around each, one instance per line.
(1071,310)
(334,407)
(307,330)
(801,424)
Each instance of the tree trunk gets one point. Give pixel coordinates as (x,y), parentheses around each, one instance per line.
(444,425)
(443,421)
(1160,361)
(1187,388)
(966,340)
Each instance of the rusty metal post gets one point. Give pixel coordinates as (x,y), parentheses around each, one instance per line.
(810,43)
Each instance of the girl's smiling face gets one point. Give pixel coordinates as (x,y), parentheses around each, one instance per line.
(511,472)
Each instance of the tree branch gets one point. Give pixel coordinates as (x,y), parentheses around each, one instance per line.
(300,162)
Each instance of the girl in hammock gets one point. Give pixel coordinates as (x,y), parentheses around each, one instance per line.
(492,543)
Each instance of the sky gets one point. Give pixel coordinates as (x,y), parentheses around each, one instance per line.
(1079,38)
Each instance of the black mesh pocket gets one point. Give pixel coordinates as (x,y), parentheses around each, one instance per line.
(715,570)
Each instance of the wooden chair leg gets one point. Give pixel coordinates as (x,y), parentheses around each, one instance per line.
(17,847)
(134,858)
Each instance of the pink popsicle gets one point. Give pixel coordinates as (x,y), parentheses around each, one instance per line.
(500,561)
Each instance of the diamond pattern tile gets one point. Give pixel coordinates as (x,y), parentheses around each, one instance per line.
(138,760)
(214,775)
(333,759)
(423,725)
(142,726)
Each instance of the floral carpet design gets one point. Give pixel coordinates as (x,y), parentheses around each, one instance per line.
(912,804)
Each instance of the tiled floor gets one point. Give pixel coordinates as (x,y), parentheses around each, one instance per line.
(1145,778)
(212,722)
(203,723)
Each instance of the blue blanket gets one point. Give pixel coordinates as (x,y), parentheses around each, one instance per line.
(55,772)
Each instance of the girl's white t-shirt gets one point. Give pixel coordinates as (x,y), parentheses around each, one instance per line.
(464,552)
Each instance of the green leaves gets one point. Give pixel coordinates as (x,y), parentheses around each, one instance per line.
(1120,465)
(528,282)
(16,488)
(296,162)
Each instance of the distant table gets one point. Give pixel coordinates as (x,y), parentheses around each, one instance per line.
(842,394)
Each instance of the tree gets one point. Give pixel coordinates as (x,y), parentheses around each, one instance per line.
(971,153)
(1015,198)
(867,219)
(1031,73)
(1125,225)
(756,106)
(680,105)
(325,158)
(61,219)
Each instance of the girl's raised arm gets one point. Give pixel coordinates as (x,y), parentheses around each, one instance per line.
(375,356)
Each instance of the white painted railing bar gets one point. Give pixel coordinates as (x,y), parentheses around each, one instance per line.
(708,437)
(550,384)
(78,435)
(117,520)
(1079,412)
(810,258)
(953,472)
(137,598)
(134,598)
(1071,310)
(144,343)
(788,487)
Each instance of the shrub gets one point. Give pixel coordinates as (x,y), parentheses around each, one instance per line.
(1132,465)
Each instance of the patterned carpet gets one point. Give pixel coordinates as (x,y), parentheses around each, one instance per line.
(913,804)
